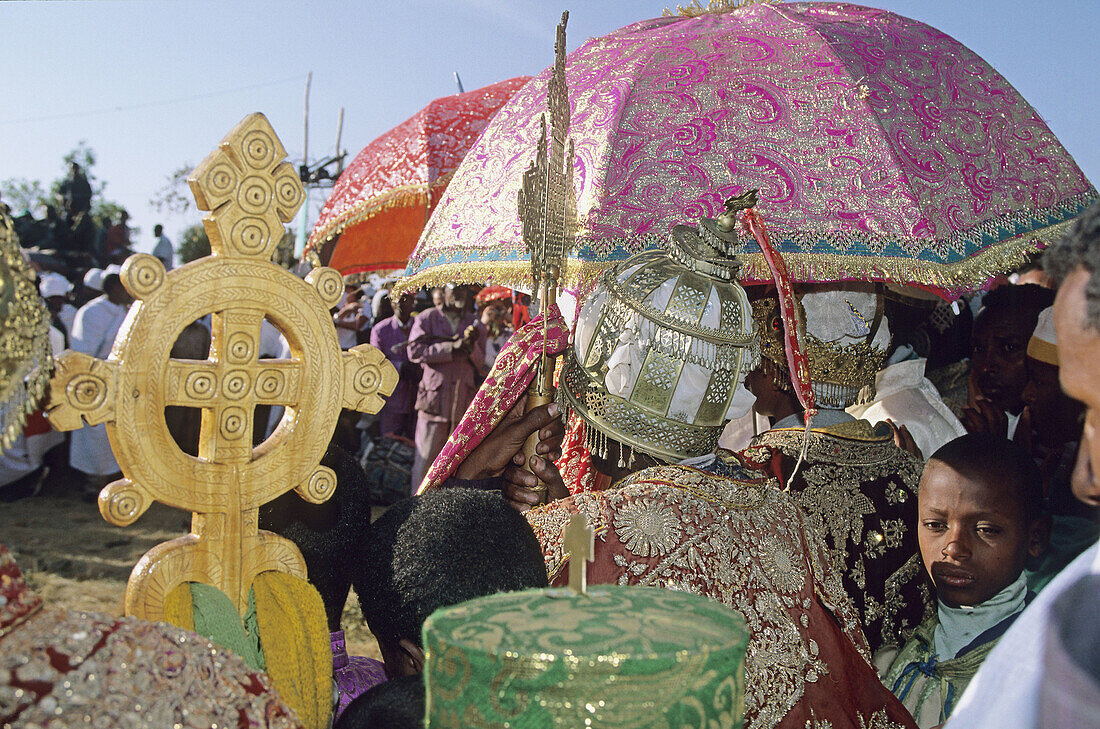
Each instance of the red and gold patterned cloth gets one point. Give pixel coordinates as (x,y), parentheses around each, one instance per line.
(747,545)
(507,381)
(66,668)
(859,491)
(382,200)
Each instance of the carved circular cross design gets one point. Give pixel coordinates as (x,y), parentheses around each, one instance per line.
(86,391)
(240,293)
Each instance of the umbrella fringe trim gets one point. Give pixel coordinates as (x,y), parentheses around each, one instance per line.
(401,196)
(513,274)
(952,279)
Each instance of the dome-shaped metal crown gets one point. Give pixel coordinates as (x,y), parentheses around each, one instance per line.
(661,348)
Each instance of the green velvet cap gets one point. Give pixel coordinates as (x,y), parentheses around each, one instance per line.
(614,658)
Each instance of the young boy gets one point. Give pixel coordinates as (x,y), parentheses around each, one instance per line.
(979,520)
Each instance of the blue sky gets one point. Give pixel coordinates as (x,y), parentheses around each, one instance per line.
(154,84)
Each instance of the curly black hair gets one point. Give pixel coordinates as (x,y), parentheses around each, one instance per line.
(330,535)
(395,704)
(1029,299)
(1079,248)
(993,458)
(439,549)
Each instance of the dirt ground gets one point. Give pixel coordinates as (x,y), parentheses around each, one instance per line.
(73,558)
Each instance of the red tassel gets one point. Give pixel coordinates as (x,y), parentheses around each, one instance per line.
(796,358)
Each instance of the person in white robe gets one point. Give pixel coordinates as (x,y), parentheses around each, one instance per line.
(905,396)
(94,330)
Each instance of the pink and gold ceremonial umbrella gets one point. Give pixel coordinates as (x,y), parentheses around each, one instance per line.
(884,150)
(380,203)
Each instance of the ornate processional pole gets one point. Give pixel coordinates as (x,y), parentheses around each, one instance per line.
(250,192)
(548,212)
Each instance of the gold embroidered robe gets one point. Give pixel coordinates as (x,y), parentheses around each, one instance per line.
(745,544)
(859,490)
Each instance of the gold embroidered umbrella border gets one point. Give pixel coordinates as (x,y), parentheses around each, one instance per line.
(962,277)
(400,196)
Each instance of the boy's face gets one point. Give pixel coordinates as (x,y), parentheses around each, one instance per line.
(973,537)
(999,356)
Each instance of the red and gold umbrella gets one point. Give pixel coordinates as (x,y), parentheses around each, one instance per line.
(380,204)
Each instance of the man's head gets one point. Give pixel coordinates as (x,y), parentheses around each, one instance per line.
(455,298)
(442,548)
(55,290)
(437,296)
(115,291)
(331,535)
(979,517)
(1073,263)
(999,342)
(394,704)
(405,305)
(158,229)
(1055,417)
(1032,272)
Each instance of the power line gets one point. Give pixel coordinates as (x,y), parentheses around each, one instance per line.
(148,105)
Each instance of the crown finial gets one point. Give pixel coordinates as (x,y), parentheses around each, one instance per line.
(727,220)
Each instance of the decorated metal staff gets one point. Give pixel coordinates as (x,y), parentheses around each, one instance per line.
(548,211)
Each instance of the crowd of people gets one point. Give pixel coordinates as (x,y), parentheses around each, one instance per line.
(71,236)
(923,540)
(919,547)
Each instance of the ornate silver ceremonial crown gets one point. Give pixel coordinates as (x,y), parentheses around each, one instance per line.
(661,348)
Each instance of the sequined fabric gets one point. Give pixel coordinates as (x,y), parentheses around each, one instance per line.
(859,491)
(396,180)
(25,361)
(883,149)
(623,658)
(747,545)
(67,668)
(353,674)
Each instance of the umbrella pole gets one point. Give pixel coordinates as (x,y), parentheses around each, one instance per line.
(541,390)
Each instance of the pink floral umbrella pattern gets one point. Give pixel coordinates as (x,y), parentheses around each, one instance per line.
(883,149)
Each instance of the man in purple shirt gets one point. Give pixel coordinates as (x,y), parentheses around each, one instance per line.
(445,342)
(391,335)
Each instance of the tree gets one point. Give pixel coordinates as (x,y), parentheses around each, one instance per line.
(22,195)
(193,244)
(25,194)
(174,196)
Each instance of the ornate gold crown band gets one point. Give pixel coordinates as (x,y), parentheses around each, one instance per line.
(837,372)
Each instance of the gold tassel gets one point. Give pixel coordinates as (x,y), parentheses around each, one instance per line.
(295,640)
(696,8)
(177,607)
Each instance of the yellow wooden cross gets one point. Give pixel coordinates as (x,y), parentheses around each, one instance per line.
(580,542)
(250,192)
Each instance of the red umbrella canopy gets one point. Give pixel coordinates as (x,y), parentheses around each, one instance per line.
(381,202)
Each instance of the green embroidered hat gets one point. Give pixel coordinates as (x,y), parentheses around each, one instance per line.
(613,657)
